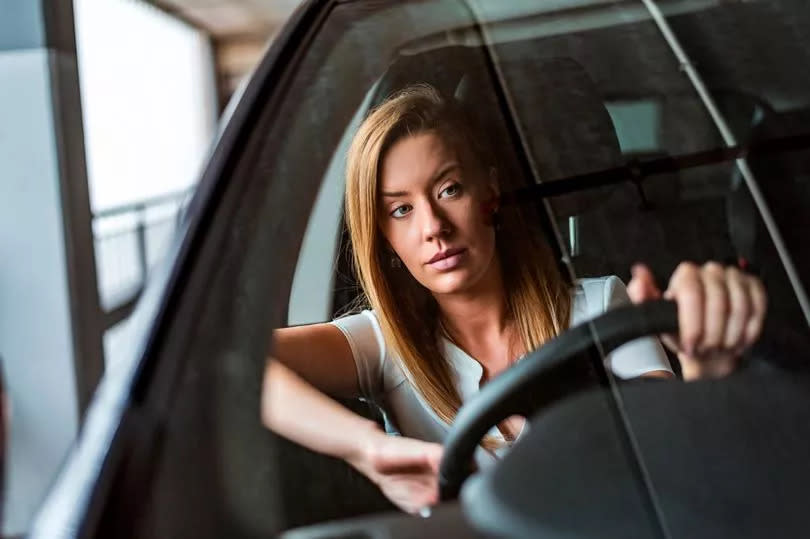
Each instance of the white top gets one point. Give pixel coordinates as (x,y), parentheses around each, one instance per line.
(382,380)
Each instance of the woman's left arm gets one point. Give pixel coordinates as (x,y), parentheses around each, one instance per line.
(721,311)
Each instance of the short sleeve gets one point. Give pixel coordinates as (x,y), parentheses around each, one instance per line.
(636,357)
(362,331)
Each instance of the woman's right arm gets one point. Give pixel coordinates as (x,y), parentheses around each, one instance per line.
(312,360)
(308,362)
(298,411)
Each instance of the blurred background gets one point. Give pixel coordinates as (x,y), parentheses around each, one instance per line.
(108,110)
(149,111)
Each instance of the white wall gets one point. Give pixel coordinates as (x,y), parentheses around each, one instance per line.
(35,326)
(148,99)
(149,111)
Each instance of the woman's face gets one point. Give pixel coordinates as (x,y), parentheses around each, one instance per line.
(432,211)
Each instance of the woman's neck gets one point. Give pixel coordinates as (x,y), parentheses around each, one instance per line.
(478,320)
(481,313)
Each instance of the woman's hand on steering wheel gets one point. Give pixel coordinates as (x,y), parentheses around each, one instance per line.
(720,314)
(405,469)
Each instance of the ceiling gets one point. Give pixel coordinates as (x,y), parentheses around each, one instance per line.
(239,30)
(228,18)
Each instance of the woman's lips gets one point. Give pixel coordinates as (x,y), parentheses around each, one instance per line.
(448,259)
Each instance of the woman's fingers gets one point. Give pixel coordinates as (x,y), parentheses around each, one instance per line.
(406,471)
(716,308)
(721,311)
(740,308)
(412,492)
(642,286)
(405,455)
(759,302)
(686,288)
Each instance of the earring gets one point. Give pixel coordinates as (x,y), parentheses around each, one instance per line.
(396,263)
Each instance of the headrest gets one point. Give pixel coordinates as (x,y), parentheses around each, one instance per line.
(441,68)
(560,113)
(563,118)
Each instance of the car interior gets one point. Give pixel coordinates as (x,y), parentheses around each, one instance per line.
(569,108)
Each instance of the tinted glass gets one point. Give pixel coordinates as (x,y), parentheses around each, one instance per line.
(677,91)
(578,88)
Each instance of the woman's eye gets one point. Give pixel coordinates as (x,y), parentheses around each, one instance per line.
(401,211)
(450,190)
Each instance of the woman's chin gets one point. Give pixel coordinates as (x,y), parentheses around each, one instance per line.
(450,283)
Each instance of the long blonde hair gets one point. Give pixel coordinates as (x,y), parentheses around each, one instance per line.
(537,297)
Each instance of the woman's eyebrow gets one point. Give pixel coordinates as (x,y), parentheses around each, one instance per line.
(449,167)
(446,169)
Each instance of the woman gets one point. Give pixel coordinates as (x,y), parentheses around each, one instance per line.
(458,290)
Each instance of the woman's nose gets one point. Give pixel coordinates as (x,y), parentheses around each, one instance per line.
(434,223)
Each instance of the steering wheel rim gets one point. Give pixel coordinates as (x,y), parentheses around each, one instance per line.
(559,365)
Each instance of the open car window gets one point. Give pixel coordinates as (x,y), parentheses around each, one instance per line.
(565,88)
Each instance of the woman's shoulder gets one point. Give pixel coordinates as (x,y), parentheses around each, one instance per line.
(371,354)
(593,297)
(362,330)
(365,318)
(596,295)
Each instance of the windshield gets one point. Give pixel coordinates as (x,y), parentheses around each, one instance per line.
(624,132)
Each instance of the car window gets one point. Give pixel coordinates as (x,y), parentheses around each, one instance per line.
(564,89)
(317,275)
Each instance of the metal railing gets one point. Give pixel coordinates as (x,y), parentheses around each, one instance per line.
(129,240)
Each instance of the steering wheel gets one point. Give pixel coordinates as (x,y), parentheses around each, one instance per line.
(550,373)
